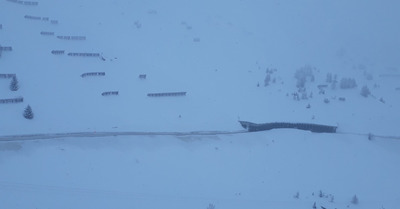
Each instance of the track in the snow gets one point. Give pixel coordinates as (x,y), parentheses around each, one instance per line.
(26,137)
(105,134)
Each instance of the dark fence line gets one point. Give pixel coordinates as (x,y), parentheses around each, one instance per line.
(7,75)
(252,127)
(46,33)
(5,48)
(93,74)
(108,93)
(166,94)
(57,52)
(32,17)
(74,38)
(29,3)
(13,100)
(75,54)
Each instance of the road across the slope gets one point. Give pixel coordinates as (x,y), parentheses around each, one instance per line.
(26,137)
(104,134)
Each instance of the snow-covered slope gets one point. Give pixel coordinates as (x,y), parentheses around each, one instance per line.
(255,170)
(219,53)
(216,52)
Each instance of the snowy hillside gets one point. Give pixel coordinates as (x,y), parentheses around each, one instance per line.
(260,61)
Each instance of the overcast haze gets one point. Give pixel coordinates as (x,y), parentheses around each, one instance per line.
(324,62)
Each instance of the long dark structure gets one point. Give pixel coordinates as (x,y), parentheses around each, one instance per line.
(76,38)
(93,74)
(6,48)
(109,93)
(317,128)
(76,54)
(57,52)
(13,100)
(7,75)
(167,94)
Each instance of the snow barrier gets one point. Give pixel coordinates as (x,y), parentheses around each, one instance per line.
(93,74)
(75,54)
(109,93)
(166,94)
(74,38)
(57,52)
(317,128)
(7,75)
(29,3)
(46,33)
(32,17)
(5,48)
(13,100)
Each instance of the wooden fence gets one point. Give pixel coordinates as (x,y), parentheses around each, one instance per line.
(76,54)
(29,3)
(12,100)
(5,48)
(93,74)
(74,38)
(109,93)
(7,75)
(166,94)
(46,33)
(57,52)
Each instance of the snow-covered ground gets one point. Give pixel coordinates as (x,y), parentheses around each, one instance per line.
(254,170)
(218,52)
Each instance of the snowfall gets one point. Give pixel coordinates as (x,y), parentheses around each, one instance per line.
(237,60)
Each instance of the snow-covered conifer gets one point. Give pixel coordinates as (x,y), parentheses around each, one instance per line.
(28,113)
(14,84)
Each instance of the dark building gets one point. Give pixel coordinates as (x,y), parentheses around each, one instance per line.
(317,128)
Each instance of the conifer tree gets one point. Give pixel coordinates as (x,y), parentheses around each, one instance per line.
(28,113)
(354,200)
(365,92)
(14,84)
